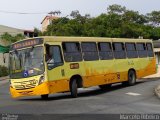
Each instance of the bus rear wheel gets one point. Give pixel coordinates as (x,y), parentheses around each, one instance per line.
(73,88)
(105,87)
(44,97)
(131,78)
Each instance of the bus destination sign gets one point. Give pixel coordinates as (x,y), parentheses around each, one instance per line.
(27,43)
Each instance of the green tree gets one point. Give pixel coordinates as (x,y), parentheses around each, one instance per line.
(154,18)
(37,32)
(155,33)
(116,9)
(117,22)
(10,38)
(134,17)
(6,36)
(75,14)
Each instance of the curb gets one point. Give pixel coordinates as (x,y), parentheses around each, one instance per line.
(4,78)
(157,91)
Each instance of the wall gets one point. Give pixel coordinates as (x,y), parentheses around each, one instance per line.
(45,24)
(12,31)
(6,56)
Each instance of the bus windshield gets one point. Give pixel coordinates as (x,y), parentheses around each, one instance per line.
(26,63)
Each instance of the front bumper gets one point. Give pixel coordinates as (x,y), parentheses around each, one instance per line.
(38,90)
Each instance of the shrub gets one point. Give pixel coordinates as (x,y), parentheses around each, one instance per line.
(3,71)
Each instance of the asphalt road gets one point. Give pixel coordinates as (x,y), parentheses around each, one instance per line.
(119,99)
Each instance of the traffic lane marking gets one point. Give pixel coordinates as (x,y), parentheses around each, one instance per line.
(133,94)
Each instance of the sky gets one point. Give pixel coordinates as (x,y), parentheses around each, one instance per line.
(92,7)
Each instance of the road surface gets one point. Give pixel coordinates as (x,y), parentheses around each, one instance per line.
(119,99)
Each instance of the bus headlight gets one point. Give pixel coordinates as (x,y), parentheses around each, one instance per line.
(41,79)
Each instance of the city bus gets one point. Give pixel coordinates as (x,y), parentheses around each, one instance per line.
(45,65)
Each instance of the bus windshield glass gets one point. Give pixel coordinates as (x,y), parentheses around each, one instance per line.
(26,63)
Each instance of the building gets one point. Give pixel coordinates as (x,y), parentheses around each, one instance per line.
(29,33)
(156,44)
(47,21)
(12,31)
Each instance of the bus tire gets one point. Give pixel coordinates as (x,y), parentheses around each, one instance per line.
(44,97)
(73,88)
(131,78)
(105,87)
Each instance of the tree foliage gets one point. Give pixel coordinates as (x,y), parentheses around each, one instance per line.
(154,18)
(4,71)
(118,21)
(10,38)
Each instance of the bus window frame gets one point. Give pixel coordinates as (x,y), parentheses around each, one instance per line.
(123,49)
(79,51)
(150,50)
(142,50)
(61,55)
(97,52)
(111,50)
(137,56)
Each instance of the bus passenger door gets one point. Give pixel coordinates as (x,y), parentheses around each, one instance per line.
(55,69)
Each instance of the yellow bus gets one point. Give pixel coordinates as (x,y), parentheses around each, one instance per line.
(46,65)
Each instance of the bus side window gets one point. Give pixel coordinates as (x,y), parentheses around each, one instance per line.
(131,50)
(55,59)
(150,50)
(119,50)
(89,50)
(72,51)
(141,48)
(105,50)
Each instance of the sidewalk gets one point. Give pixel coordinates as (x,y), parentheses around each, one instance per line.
(4,78)
(157,91)
(157,75)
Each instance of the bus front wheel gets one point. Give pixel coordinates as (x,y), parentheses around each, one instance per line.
(73,88)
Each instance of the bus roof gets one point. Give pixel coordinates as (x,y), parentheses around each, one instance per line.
(90,39)
(87,39)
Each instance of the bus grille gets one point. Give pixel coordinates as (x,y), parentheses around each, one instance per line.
(25,84)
